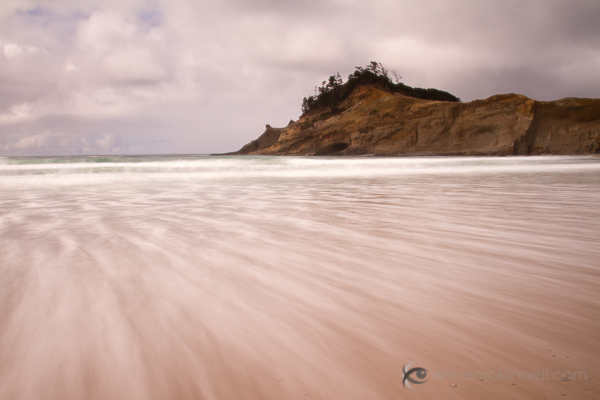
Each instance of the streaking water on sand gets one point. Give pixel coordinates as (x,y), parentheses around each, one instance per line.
(191,277)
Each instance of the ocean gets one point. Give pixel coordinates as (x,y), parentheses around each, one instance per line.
(209,277)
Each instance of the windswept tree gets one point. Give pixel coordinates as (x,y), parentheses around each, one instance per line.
(377,68)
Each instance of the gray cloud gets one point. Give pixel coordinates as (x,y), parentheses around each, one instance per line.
(136,76)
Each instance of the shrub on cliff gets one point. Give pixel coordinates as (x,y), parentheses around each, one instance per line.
(333,91)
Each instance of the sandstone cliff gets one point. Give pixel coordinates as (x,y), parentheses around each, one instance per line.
(374,121)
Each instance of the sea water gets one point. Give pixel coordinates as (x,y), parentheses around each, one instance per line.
(199,277)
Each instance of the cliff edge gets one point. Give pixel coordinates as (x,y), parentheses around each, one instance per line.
(374,121)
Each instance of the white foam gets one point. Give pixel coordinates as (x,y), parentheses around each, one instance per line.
(248,168)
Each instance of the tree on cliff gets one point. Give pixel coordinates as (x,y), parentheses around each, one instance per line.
(326,92)
(333,91)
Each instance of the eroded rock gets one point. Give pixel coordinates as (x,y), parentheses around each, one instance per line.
(373,121)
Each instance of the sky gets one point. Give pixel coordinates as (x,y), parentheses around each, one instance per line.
(201,76)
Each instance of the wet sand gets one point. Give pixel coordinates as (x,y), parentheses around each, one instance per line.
(321,288)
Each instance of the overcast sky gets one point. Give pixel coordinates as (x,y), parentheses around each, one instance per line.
(201,76)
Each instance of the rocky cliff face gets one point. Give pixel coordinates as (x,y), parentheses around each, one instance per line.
(374,121)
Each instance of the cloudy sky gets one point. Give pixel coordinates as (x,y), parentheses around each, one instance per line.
(200,76)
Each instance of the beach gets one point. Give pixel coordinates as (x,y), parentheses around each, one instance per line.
(197,277)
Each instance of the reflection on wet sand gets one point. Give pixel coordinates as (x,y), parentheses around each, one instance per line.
(314,286)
